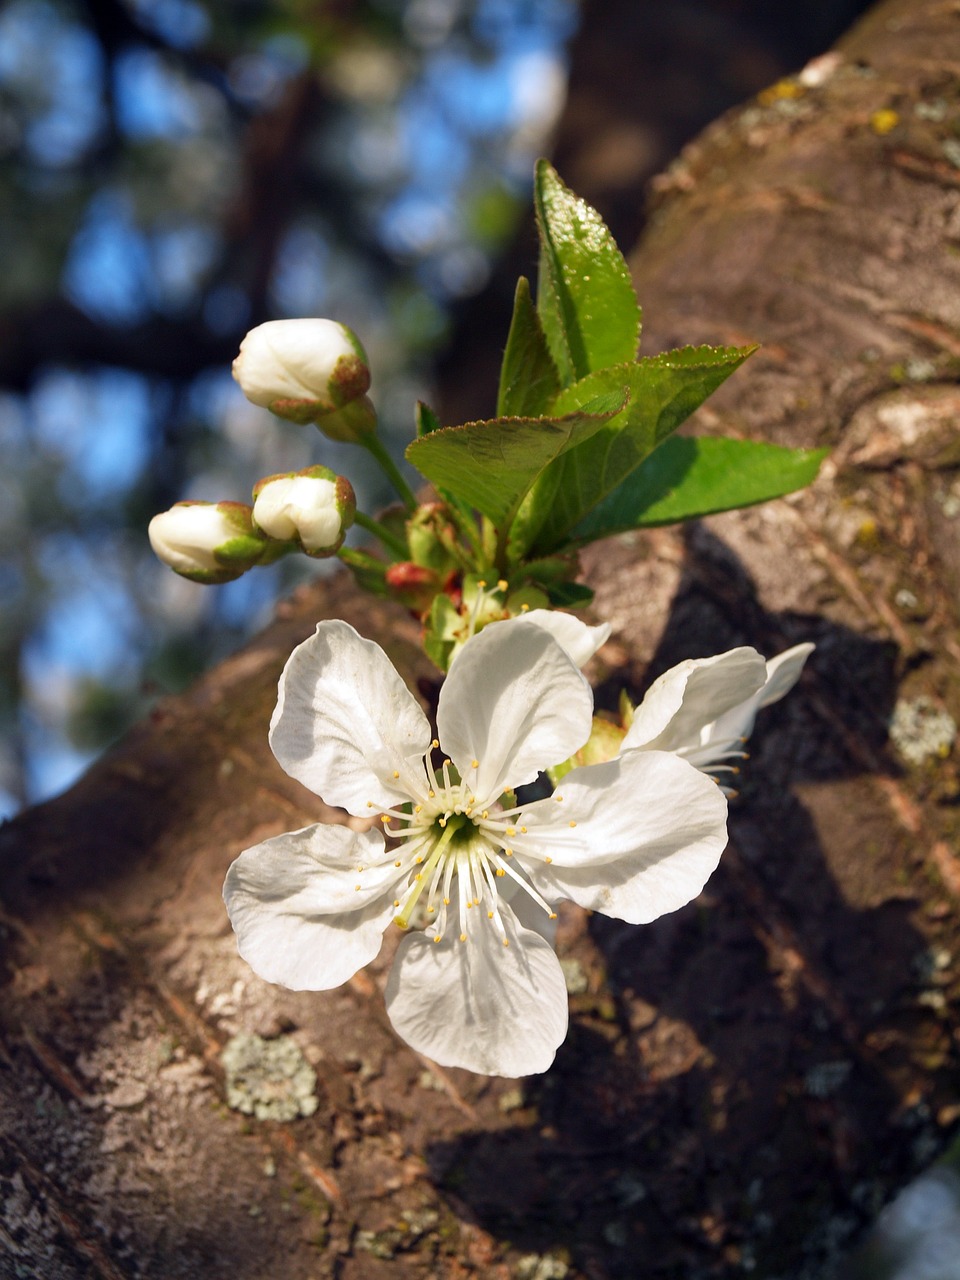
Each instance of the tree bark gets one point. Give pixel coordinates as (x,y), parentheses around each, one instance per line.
(745,1081)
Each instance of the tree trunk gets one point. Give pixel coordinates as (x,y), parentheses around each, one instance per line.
(745,1081)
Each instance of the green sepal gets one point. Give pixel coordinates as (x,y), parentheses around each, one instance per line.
(585,298)
(528,376)
(604,744)
(691,476)
(439,636)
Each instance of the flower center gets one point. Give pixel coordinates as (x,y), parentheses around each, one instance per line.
(453,849)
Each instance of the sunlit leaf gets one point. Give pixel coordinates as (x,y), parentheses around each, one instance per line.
(528,376)
(697,476)
(491,465)
(426,419)
(663,391)
(585,298)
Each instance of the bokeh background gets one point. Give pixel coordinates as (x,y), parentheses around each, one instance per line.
(173,172)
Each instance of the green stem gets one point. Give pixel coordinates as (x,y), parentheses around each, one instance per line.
(374,445)
(380,531)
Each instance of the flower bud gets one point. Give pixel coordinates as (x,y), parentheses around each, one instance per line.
(209,542)
(314,508)
(302,369)
(430,536)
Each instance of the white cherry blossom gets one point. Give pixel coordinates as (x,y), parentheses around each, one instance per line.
(470,874)
(704,709)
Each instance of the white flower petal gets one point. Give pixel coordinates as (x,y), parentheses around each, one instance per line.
(783,672)
(692,695)
(514,702)
(298,915)
(497,1010)
(734,726)
(530,914)
(345,721)
(634,838)
(576,638)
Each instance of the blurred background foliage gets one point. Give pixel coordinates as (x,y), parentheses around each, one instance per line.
(173,172)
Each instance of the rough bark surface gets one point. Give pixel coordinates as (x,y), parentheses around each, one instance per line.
(745,1081)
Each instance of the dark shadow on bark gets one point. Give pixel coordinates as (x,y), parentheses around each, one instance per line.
(723,1099)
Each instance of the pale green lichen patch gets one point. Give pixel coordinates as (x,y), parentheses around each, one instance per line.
(921,730)
(546,1266)
(574,976)
(268,1079)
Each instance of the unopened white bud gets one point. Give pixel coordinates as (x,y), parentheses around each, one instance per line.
(302,369)
(313,507)
(207,542)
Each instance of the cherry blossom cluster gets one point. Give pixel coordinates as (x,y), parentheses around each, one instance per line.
(464,833)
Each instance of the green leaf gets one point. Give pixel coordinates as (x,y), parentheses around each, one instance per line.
(663,391)
(570,595)
(528,376)
(426,419)
(491,465)
(691,476)
(585,298)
